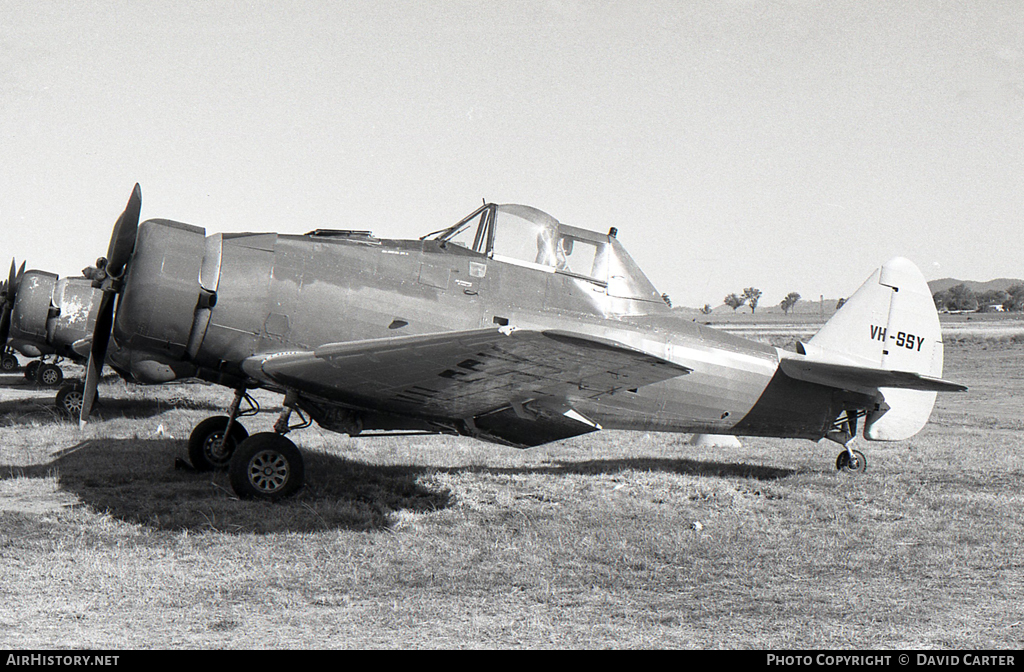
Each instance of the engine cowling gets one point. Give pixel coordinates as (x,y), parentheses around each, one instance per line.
(77,302)
(156,310)
(33,312)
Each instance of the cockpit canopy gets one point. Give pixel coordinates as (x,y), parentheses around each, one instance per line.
(526,236)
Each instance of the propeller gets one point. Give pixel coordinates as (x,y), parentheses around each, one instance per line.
(9,291)
(108,276)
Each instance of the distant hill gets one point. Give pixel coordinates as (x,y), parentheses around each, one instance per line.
(973,285)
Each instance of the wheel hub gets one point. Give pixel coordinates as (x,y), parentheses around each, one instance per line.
(268,471)
(73,402)
(216,448)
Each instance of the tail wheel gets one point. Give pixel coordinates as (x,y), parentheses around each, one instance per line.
(50,375)
(857,464)
(266,466)
(206,450)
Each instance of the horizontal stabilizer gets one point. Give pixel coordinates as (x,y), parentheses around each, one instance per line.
(851,377)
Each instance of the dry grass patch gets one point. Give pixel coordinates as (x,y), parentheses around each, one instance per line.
(444,542)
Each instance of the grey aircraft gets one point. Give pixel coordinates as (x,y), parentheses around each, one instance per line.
(508,326)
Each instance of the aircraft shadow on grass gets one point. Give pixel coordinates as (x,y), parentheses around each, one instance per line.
(33,410)
(662,464)
(136,480)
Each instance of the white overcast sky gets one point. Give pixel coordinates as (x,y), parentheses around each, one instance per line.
(792,145)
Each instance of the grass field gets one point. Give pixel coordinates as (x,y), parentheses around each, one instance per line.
(444,542)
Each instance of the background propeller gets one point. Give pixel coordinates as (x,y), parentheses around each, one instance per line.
(10,292)
(109,277)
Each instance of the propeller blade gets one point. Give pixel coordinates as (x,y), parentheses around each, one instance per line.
(122,240)
(11,280)
(97,355)
(122,244)
(5,325)
(8,305)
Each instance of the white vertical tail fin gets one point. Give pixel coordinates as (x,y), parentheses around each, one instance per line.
(889,324)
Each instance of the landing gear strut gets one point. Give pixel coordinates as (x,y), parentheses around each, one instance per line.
(262,466)
(213,441)
(850,460)
(267,465)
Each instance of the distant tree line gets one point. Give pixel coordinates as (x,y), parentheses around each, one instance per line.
(750,296)
(957,298)
(789,302)
(963,298)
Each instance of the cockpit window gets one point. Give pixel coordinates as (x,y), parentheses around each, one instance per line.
(522,234)
(581,257)
(470,232)
(531,240)
(469,235)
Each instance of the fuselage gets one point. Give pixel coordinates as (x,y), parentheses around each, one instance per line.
(265,293)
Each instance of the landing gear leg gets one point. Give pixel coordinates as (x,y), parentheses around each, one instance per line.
(213,441)
(850,460)
(267,465)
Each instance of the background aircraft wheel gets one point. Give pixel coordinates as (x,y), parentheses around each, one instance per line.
(69,399)
(204,449)
(32,369)
(50,375)
(857,465)
(266,466)
(8,363)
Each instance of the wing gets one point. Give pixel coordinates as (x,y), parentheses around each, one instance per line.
(516,385)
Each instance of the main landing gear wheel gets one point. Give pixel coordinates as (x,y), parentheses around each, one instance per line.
(266,466)
(31,369)
(855,465)
(50,375)
(205,450)
(70,399)
(8,363)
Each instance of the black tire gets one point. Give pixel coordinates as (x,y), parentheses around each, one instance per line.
(204,443)
(50,375)
(8,363)
(857,466)
(32,370)
(266,466)
(70,399)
